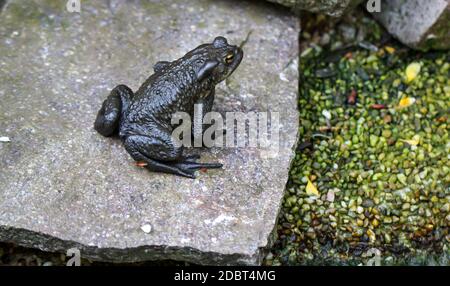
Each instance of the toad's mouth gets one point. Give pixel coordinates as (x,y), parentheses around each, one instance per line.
(238,55)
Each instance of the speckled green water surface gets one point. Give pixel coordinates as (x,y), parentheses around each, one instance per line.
(371,174)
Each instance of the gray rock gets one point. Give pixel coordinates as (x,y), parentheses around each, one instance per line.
(331,7)
(62,185)
(419,24)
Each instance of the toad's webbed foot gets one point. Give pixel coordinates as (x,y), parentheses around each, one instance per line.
(190,165)
(192,157)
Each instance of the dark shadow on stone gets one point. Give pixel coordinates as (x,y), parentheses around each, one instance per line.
(2,4)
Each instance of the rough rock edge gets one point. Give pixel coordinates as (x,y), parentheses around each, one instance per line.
(273,235)
(45,242)
(333,9)
(428,41)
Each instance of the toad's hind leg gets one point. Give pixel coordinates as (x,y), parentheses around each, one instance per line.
(108,117)
(160,155)
(154,152)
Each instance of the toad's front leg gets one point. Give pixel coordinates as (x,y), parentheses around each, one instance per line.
(203,107)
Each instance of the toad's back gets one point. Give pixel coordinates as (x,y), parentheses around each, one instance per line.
(172,88)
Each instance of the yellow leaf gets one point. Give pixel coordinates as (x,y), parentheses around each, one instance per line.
(412,71)
(311,189)
(414,141)
(410,142)
(389,49)
(406,101)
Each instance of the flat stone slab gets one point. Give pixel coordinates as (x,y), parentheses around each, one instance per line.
(419,24)
(334,8)
(63,185)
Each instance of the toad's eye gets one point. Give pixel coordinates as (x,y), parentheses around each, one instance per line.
(229,58)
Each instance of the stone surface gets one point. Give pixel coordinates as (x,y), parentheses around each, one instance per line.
(419,24)
(62,185)
(331,7)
